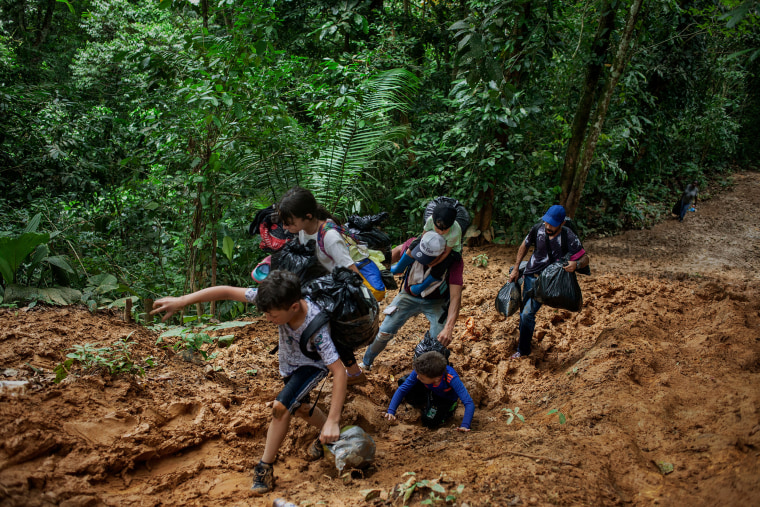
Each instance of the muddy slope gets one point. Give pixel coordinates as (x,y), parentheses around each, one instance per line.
(657,379)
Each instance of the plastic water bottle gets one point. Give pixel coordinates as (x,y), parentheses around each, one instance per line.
(280,502)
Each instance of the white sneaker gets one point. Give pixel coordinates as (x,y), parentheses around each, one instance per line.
(364,366)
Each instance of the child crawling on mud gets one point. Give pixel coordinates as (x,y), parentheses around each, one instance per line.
(279,297)
(435,388)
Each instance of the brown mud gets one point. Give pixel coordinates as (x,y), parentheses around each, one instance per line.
(657,377)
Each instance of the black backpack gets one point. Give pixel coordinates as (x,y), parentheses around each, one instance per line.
(569,225)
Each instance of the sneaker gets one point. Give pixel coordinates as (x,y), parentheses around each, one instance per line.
(361,378)
(315,451)
(263,479)
(364,367)
(516,355)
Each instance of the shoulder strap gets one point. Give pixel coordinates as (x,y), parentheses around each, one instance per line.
(328,225)
(315,325)
(563,241)
(533,234)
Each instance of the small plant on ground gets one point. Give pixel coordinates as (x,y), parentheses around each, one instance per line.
(114,360)
(511,414)
(437,493)
(561,416)
(480,260)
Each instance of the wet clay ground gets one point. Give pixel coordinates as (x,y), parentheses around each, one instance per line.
(657,379)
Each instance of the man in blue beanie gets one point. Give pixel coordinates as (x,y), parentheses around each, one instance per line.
(547,241)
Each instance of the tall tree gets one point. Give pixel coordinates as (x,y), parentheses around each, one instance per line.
(574,174)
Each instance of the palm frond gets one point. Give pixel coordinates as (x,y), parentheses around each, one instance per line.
(336,175)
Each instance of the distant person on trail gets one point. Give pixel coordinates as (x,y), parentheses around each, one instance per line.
(302,215)
(689,196)
(548,248)
(440,302)
(436,389)
(279,297)
(443,221)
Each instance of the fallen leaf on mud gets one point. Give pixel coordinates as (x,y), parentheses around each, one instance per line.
(370,494)
(665,467)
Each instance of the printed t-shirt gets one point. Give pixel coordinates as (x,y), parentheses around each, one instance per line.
(540,258)
(289,354)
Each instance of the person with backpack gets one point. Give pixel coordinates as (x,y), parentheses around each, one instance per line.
(689,196)
(551,240)
(442,221)
(436,389)
(303,216)
(440,302)
(303,363)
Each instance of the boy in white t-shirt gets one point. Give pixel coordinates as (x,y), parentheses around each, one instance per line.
(279,297)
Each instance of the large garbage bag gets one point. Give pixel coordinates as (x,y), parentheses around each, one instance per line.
(509,299)
(677,207)
(463,217)
(365,229)
(428,344)
(354,449)
(353,310)
(557,288)
(299,259)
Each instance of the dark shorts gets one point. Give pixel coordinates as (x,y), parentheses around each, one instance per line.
(299,385)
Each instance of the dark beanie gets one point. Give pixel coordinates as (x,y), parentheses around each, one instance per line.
(444,216)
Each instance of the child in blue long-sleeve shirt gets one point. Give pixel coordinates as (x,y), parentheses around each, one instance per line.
(434,381)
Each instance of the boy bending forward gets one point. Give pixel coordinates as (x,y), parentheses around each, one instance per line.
(279,297)
(436,388)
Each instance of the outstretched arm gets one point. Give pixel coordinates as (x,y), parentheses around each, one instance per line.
(171,304)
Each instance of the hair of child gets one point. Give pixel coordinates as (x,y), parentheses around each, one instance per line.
(278,291)
(299,202)
(431,364)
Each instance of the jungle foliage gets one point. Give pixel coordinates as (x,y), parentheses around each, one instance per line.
(140,137)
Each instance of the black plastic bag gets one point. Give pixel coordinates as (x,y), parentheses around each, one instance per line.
(557,288)
(366,223)
(299,259)
(463,217)
(364,229)
(353,310)
(428,344)
(388,279)
(509,299)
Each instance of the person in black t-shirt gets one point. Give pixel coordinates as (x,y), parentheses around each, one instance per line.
(547,246)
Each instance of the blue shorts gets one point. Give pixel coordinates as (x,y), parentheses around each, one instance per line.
(299,385)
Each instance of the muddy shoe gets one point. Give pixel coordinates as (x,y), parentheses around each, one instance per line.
(315,451)
(263,479)
(353,380)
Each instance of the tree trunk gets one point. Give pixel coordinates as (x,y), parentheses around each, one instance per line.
(621,57)
(594,69)
(45,25)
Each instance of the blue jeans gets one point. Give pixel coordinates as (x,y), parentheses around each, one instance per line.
(684,209)
(408,306)
(527,316)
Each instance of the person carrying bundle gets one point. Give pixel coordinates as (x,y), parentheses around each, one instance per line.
(547,241)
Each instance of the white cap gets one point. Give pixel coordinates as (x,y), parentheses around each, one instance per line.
(431,246)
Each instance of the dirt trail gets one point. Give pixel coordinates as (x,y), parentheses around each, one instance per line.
(658,377)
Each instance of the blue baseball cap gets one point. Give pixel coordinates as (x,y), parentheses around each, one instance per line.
(555,216)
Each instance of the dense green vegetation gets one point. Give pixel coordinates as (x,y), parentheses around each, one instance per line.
(138,138)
